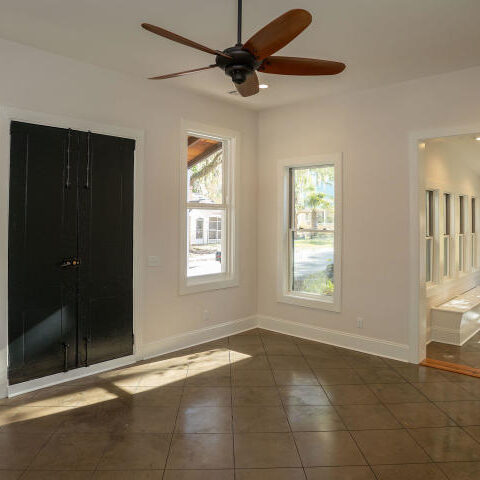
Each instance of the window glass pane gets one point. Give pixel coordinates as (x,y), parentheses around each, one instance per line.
(313,256)
(313,199)
(461,247)
(205,248)
(446,256)
(205,170)
(446,213)
(428,269)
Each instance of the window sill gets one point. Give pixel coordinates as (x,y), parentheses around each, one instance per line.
(320,303)
(205,284)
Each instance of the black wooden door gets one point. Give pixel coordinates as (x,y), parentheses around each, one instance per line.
(71,198)
(42,233)
(105,247)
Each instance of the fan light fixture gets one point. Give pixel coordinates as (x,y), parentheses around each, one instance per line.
(242,61)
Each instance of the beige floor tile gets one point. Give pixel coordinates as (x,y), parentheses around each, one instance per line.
(270,474)
(409,472)
(397,393)
(265,450)
(327,449)
(303,395)
(199,396)
(248,349)
(363,360)
(10,474)
(71,451)
(419,374)
(247,378)
(217,377)
(287,362)
(350,394)
(201,451)
(128,475)
(339,473)
(204,420)
(135,451)
(260,419)
(462,412)
(172,378)
(281,348)
(447,444)
(461,470)
(379,375)
(313,418)
(17,450)
(55,475)
(337,376)
(444,391)
(156,396)
(389,447)
(316,362)
(416,415)
(367,417)
(31,419)
(244,396)
(295,377)
(241,361)
(199,475)
(474,432)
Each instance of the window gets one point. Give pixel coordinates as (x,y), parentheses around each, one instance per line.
(474,241)
(215,228)
(310,256)
(447,221)
(208,258)
(461,233)
(429,234)
(199,229)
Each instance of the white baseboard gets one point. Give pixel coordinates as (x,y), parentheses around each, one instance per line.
(452,336)
(75,374)
(375,346)
(196,337)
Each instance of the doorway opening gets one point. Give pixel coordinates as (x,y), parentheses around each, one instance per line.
(449,221)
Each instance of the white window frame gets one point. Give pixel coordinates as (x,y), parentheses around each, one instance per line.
(461,259)
(474,234)
(450,237)
(229,277)
(284,293)
(433,239)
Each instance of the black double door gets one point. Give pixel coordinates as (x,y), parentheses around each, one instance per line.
(70,250)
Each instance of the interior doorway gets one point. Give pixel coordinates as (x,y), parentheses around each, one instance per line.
(449,221)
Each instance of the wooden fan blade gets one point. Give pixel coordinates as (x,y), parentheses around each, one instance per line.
(179,39)
(278,33)
(179,74)
(249,87)
(300,66)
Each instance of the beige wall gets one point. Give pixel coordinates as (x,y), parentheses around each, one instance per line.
(372,129)
(38,81)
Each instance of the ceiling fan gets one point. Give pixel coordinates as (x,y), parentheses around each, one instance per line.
(242,61)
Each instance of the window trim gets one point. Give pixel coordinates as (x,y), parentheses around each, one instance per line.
(230,277)
(284,294)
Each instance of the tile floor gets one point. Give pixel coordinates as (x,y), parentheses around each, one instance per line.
(255,406)
(468,354)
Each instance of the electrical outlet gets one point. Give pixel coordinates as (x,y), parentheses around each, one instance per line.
(153,261)
(206,315)
(359,322)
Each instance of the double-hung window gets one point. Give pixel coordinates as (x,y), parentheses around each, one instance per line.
(447,232)
(474,241)
(310,253)
(208,256)
(461,232)
(429,235)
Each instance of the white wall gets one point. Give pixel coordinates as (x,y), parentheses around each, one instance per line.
(372,129)
(38,81)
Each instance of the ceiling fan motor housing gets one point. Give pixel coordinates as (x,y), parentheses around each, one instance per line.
(242,63)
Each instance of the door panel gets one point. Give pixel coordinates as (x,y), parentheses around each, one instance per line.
(105,243)
(42,231)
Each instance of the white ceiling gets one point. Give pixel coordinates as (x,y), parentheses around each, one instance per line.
(381,41)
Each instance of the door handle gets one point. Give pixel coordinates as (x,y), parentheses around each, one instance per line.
(66,346)
(70,262)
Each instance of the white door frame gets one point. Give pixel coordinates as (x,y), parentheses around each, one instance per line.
(8,114)
(417,316)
